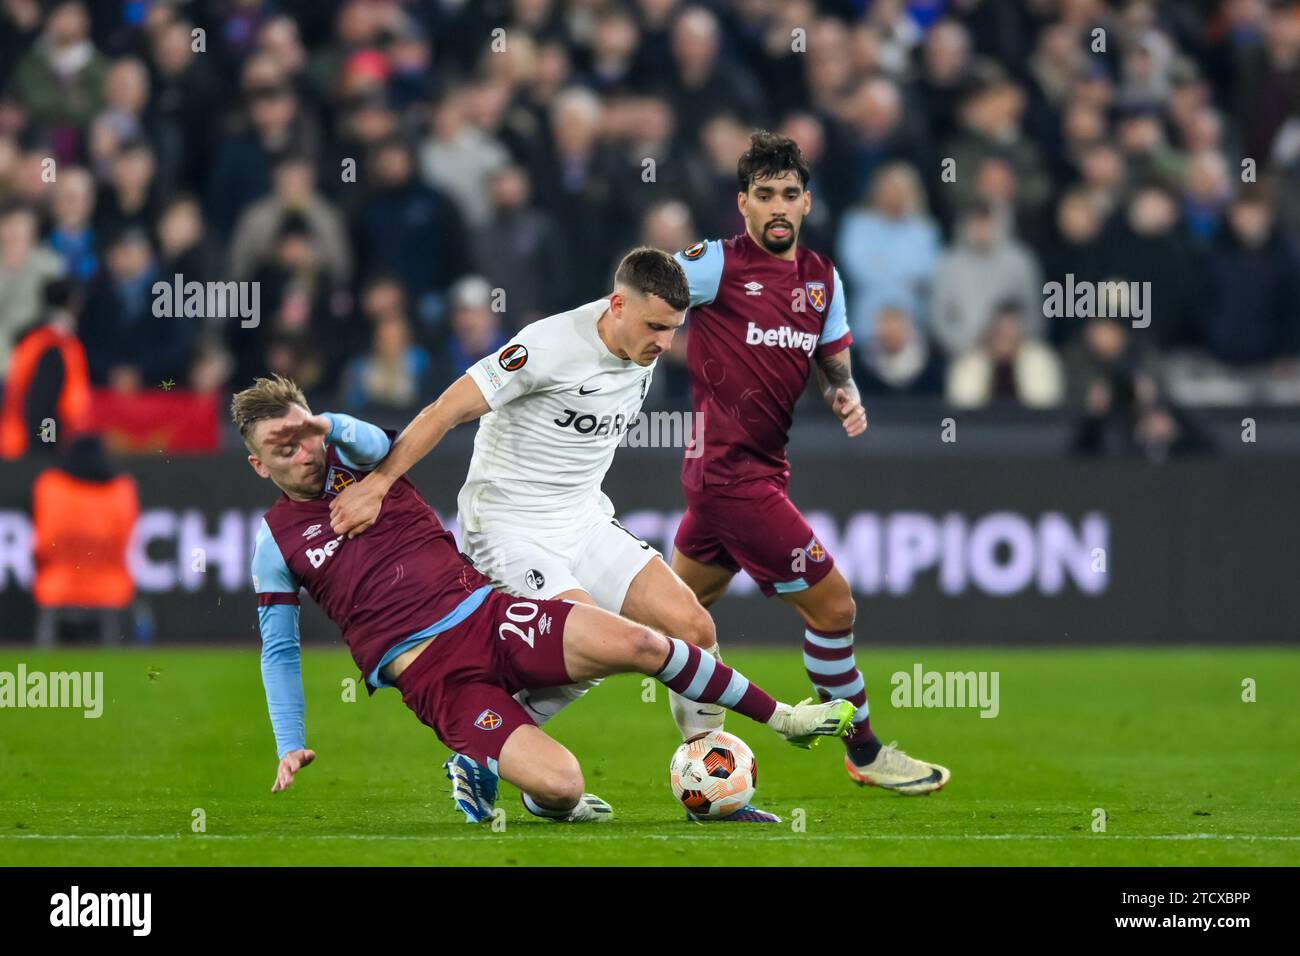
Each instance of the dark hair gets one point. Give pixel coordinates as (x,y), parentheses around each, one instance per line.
(771,154)
(654,272)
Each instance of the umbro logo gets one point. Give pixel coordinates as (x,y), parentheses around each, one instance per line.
(583,390)
(753,288)
(311,532)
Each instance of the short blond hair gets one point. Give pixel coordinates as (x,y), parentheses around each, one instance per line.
(265,398)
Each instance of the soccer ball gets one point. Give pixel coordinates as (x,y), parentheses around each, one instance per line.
(713,774)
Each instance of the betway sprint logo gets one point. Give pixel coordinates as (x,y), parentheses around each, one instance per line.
(784,338)
(317,556)
(102,909)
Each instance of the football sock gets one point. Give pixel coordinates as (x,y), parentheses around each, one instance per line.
(537,810)
(704,679)
(693,718)
(830,664)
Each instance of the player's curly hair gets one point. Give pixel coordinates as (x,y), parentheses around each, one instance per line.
(265,398)
(771,154)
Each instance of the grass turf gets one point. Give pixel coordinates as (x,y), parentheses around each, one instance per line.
(1186,772)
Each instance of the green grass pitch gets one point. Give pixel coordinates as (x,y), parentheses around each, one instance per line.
(1161,740)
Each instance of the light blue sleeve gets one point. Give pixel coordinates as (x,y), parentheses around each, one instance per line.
(281,645)
(837,320)
(702,263)
(360,444)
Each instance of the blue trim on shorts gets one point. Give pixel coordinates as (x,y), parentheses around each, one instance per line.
(461,611)
(789,587)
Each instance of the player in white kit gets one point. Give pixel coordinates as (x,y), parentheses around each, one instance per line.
(554,404)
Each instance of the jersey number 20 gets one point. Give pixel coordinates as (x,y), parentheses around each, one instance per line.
(521,612)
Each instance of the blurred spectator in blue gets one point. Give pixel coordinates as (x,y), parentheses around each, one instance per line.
(519,250)
(1207,190)
(127,345)
(395,373)
(897,358)
(891,246)
(1007,367)
(1252,313)
(294,193)
(411,230)
(984,269)
(475,328)
(275,125)
(72,235)
(26,265)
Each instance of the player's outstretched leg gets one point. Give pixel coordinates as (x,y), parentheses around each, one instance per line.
(828,611)
(597,644)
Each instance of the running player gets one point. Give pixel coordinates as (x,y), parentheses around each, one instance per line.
(764,311)
(554,403)
(418,616)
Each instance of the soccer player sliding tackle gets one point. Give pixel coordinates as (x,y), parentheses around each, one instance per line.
(418,616)
(769,312)
(553,405)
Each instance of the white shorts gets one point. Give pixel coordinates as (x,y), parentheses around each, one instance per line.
(597,555)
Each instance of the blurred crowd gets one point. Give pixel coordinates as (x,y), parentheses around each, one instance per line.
(408,183)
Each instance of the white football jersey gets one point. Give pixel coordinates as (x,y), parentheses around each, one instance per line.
(561,402)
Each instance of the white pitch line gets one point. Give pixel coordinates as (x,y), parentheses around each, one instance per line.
(629,837)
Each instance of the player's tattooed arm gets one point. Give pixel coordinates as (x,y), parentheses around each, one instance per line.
(835,379)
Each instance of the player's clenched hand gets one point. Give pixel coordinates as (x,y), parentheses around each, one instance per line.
(851,413)
(290,764)
(357,506)
(296,427)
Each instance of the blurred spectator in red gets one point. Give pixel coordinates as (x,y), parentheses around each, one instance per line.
(83,513)
(48,379)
